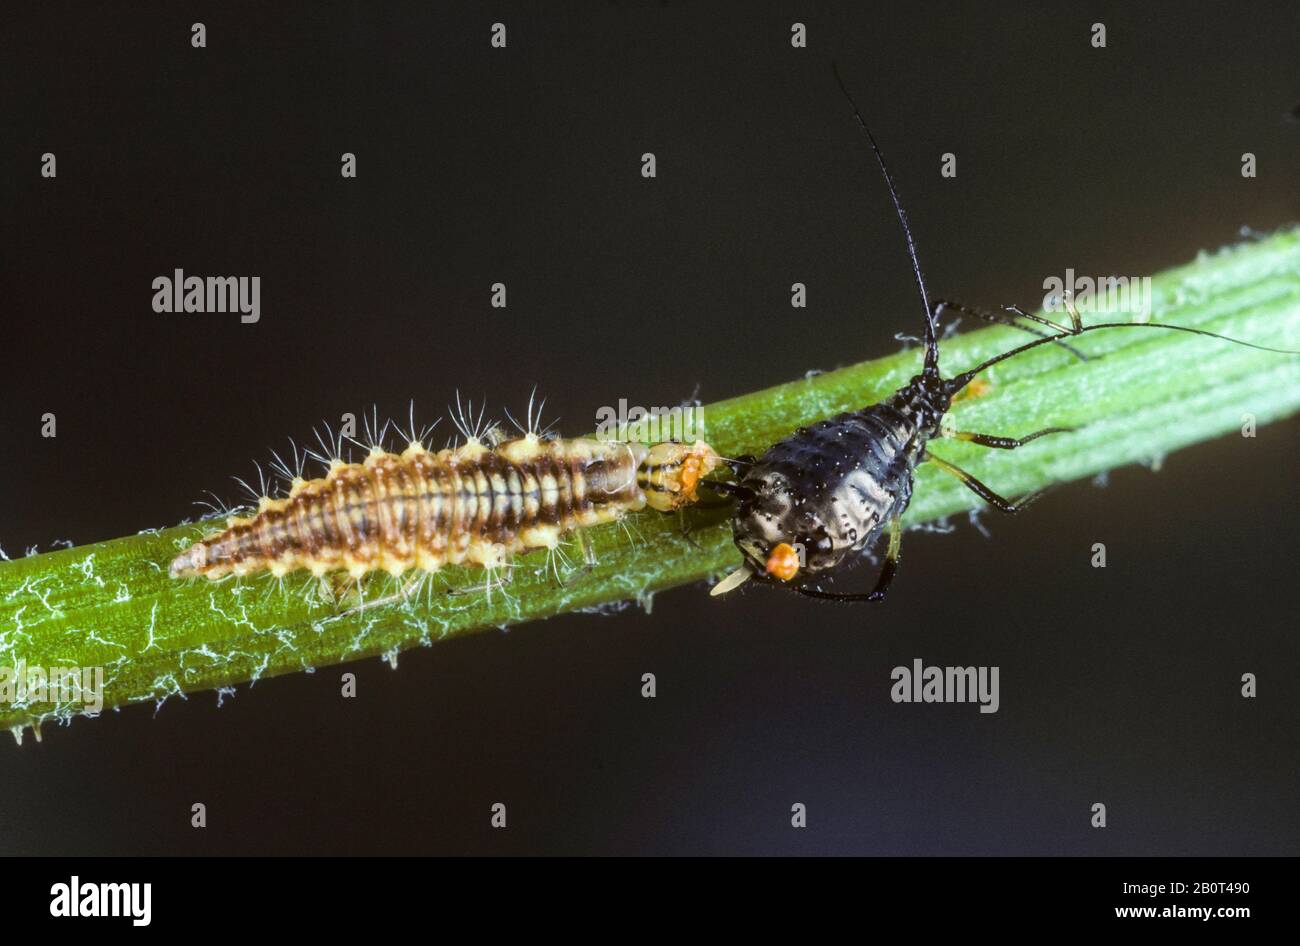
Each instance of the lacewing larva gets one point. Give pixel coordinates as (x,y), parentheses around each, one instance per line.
(480,504)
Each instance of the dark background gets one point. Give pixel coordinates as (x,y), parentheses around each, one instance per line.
(521,165)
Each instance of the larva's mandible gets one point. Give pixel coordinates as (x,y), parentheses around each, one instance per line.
(474,504)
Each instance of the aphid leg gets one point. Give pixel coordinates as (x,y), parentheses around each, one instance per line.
(982,491)
(887,572)
(1004,443)
(1076,320)
(1002,318)
(1005,317)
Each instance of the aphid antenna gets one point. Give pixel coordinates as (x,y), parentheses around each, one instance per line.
(957,382)
(931,369)
(932,311)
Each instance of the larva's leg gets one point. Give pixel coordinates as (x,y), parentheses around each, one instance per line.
(882,583)
(1004,443)
(982,491)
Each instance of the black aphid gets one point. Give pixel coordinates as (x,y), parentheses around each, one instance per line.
(823,495)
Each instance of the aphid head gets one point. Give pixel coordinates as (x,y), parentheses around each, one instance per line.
(927,398)
(781,543)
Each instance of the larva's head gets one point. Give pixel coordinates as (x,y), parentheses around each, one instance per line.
(671,472)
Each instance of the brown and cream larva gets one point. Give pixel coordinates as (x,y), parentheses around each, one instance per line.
(473,504)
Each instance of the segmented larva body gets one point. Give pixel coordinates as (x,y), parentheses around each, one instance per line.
(474,504)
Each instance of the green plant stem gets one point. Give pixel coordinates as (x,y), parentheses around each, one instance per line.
(1143,394)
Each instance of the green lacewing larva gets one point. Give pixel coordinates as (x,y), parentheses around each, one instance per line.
(481,503)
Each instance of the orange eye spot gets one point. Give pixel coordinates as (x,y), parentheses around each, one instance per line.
(783,563)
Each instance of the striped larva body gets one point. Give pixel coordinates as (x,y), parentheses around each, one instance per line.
(473,505)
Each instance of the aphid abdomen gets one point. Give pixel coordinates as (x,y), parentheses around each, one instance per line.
(827,489)
(881,440)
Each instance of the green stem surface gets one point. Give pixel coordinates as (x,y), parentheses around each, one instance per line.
(1144,393)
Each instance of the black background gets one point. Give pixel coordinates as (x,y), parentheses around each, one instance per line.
(479,165)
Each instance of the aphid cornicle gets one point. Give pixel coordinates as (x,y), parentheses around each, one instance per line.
(474,504)
(824,494)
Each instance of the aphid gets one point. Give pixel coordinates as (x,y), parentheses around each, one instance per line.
(825,493)
(481,503)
